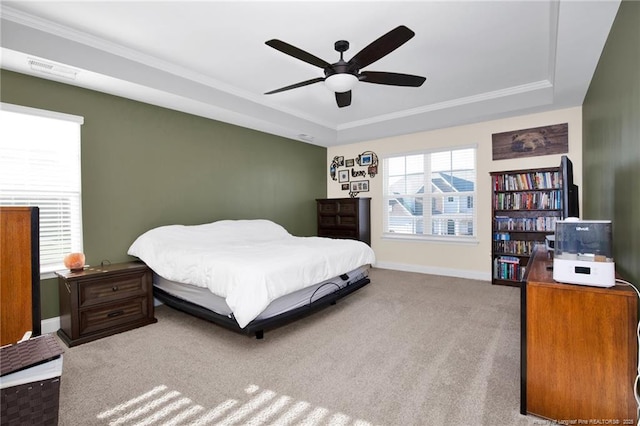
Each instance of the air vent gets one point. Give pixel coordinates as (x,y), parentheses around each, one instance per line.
(53,69)
(305,137)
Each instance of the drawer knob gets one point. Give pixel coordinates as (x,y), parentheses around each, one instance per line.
(115,313)
(114,288)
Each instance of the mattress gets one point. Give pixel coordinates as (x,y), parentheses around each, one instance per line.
(203,297)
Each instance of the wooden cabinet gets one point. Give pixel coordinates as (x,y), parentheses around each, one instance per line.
(19,273)
(525,207)
(345,218)
(579,349)
(102,301)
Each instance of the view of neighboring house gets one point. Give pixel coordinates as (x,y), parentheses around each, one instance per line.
(451,208)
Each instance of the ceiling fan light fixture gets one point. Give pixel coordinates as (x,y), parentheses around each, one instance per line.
(341,83)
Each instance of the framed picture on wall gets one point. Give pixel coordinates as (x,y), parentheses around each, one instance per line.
(366,159)
(546,140)
(343,175)
(345,186)
(360,186)
(349,162)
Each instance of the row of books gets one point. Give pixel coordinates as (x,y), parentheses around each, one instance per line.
(539,223)
(526,181)
(508,268)
(524,248)
(545,200)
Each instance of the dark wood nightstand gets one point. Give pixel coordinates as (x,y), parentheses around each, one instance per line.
(100,301)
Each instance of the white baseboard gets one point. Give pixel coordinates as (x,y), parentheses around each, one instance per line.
(50,325)
(458,273)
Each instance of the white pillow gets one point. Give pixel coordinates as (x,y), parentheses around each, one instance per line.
(246,230)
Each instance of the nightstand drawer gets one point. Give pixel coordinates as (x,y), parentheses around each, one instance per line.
(112,315)
(106,290)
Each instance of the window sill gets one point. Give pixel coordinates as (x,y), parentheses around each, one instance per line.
(430,239)
(50,273)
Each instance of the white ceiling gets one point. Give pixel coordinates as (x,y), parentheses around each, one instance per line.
(483,59)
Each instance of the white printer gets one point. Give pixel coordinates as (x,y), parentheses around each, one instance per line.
(583,253)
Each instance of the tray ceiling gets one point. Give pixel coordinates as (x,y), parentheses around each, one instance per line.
(483,59)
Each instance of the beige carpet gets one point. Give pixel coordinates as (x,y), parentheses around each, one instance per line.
(408,349)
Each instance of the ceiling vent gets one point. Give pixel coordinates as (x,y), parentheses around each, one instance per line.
(306,138)
(53,69)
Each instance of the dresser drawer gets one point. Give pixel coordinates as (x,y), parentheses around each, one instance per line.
(328,208)
(348,208)
(343,207)
(338,221)
(92,292)
(338,233)
(112,315)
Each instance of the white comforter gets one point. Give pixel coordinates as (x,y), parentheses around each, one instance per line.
(247,262)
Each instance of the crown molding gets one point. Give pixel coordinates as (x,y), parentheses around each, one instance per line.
(468,100)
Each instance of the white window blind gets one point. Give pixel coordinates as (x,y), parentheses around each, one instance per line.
(40,166)
(431,195)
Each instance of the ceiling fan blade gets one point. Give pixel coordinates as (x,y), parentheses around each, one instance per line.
(294,86)
(382,46)
(391,78)
(297,53)
(343,99)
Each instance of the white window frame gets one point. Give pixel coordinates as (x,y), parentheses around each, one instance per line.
(427,199)
(58,235)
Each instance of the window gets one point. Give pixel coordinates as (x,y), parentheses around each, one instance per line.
(443,180)
(40,166)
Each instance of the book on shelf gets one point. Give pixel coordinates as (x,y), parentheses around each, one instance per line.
(543,200)
(509,259)
(508,268)
(538,223)
(516,247)
(526,181)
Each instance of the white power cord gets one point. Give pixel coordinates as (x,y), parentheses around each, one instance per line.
(635,383)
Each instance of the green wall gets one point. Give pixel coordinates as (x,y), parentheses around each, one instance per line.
(611,140)
(144,166)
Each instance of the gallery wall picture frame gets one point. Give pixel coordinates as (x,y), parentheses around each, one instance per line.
(343,176)
(532,142)
(345,186)
(359,186)
(366,159)
(349,162)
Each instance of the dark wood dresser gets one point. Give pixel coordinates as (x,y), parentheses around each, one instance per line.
(579,349)
(345,218)
(101,301)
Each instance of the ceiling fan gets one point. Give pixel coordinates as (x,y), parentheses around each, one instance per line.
(342,76)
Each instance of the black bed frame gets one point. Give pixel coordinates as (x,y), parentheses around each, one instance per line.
(258,327)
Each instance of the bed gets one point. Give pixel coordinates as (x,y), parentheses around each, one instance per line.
(250,275)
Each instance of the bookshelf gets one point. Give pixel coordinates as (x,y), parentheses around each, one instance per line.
(525,207)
